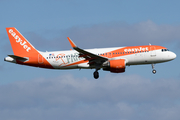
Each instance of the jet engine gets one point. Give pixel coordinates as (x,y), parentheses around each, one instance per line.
(115,66)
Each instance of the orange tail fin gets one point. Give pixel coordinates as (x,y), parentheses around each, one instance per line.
(24,52)
(20,46)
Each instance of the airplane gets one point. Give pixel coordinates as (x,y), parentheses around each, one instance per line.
(113,59)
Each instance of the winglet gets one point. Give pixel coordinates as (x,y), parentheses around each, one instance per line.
(71,42)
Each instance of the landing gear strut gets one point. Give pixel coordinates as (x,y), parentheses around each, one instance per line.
(96,74)
(154,71)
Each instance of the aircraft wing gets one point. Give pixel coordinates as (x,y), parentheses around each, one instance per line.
(88,55)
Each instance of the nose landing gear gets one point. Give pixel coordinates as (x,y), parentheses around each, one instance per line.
(154,71)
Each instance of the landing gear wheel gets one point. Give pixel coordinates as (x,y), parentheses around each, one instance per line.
(154,71)
(96,75)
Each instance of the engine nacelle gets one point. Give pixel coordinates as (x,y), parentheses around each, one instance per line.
(115,66)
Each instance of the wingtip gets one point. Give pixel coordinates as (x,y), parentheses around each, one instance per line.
(71,42)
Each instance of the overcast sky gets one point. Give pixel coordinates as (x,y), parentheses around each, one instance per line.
(28,93)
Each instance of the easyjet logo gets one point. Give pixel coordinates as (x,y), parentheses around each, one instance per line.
(20,41)
(136,49)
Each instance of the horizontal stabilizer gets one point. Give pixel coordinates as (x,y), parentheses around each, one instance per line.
(18,58)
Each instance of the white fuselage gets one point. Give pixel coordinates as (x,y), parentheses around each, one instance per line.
(114,59)
(68,59)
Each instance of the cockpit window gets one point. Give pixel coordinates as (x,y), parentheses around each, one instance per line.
(163,50)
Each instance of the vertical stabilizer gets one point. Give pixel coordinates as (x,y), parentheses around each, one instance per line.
(20,45)
(24,52)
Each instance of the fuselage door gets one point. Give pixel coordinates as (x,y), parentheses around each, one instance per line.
(152,51)
(109,55)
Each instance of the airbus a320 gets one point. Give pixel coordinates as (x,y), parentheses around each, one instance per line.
(113,59)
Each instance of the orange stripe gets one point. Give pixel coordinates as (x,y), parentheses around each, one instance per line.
(131,50)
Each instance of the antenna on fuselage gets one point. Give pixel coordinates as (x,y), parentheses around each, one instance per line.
(150,44)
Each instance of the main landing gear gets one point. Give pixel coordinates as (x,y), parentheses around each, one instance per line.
(96,74)
(154,71)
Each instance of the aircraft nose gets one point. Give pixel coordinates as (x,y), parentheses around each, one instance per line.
(172,55)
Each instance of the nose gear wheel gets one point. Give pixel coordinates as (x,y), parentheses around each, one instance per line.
(154,71)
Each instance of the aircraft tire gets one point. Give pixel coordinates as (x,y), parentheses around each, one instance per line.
(154,71)
(96,75)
